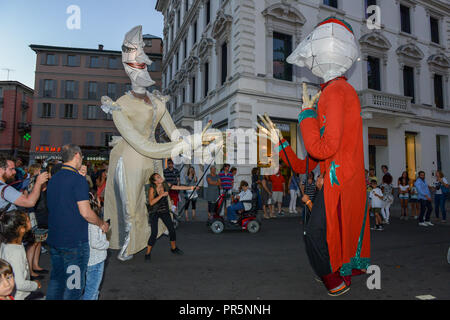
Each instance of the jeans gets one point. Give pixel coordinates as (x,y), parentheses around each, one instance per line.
(68,275)
(94,276)
(231,210)
(293,201)
(425,204)
(439,203)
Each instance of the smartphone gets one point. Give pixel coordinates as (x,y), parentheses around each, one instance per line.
(108,221)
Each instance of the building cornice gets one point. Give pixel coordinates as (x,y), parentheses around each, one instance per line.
(41,48)
(16,83)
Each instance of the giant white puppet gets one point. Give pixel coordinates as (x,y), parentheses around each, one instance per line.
(136,155)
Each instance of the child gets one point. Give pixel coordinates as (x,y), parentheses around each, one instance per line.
(13,226)
(6,281)
(376,195)
(96,264)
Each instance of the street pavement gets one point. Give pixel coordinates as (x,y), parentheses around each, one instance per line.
(272,265)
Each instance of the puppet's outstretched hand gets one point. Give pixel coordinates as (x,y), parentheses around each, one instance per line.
(269,130)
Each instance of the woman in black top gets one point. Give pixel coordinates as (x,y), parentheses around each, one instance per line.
(159,209)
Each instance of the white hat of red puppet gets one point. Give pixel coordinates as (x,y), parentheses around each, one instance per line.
(329,51)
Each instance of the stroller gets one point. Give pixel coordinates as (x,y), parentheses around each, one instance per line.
(248,220)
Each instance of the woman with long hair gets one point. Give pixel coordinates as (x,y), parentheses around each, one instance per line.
(388,197)
(158,198)
(440,196)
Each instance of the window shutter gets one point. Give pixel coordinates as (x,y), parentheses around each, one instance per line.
(75,111)
(43,58)
(90,138)
(62,111)
(77,90)
(63,88)
(103,87)
(88,61)
(39,110)
(56,59)
(86,89)
(100,114)
(64,62)
(67,137)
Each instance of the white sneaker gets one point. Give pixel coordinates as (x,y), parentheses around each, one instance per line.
(423,224)
(429,223)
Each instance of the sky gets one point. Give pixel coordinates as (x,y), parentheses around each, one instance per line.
(44,22)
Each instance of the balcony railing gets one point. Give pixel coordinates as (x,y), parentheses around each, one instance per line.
(384,101)
(25,105)
(2,125)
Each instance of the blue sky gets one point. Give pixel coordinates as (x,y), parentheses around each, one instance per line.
(25,22)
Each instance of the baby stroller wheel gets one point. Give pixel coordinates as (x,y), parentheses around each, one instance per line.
(253,226)
(217,226)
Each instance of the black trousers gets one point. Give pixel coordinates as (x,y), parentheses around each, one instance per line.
(425,205)
(153,220)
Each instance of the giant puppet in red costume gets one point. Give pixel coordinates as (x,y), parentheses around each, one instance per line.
(337,234)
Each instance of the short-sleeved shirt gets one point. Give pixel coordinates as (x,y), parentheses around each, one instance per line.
(376,202)
(226,180)
(310,189)
(10,196)
(212,193)
(66,227)
(438,184)
(172,176)
(277,183)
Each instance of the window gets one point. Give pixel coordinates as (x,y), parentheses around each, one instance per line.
(92,91)
(128,87)
(112,91)
(186,5)
(46,110)
(48,88)
(177,61)
(408,82)
(68,111)
(67,137)
(71,61)
(178,19)
(95,62)
(438,91)
(112,63)
(51,59)
(224,70)
(194,33)
(405,19)
(282,48)
(184,95)
(373,73)
(90,138)
(208,12)
(193,90)
(92,112)
(206,84)
(368,4)
(108,138)
(331,3)
(1,93)
(70,89)
(434,24)
(155,66)
(185,48)
(171,35)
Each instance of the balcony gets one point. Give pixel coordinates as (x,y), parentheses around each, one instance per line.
(184,111)
(24,105)
(2,125)
(24,126)
(384,102)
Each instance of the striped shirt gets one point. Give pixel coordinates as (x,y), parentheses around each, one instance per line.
(226,180)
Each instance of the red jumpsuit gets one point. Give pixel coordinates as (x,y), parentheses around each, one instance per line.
(333,137)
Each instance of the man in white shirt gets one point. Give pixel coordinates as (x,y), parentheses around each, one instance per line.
(244,195)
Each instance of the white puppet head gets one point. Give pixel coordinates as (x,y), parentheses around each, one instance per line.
(329,51)
(135,60)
